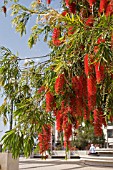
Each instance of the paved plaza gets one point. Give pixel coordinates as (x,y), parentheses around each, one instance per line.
(55,164)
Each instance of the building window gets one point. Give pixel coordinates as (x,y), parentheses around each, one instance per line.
(110,133)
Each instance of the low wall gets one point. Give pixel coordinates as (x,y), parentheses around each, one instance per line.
(70,154)
(7,162)
(97,161)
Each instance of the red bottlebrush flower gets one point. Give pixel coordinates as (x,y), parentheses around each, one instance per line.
(71,31)
(56,34)
(91,88)
(111,118)
(63,106)
(109,9)
(67,2)
(87,65)
(41,89)
(79,106)
(91,2)
(86,113)
(103,4)
(55,37)
(91,85)
(57,42)
(79,85)
(100,40)
(67,128)
(59,120)
(91,102)
(90,21)
(99,70)
(96,48)
(4,9)
(64,13)
(72,8)
(77,124)
(59,84)
(44,138)
(73,105)
(83,80)
(67,144)
(49,101)
(48,1)
(97,122)
(75,83)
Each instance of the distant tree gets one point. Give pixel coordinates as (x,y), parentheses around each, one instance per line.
(85,136)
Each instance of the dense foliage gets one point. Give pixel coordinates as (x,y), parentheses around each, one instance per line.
(85,136)
(74,84)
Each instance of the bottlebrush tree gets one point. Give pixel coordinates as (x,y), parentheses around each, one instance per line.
(78,76)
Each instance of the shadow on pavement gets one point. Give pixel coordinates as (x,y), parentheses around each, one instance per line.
(48,164)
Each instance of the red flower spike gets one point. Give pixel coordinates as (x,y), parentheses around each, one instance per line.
(44,138)
(41,89)
(109,9)
(59,84)
(57,42)
(96,48)
(87,66)
(75,84)
(59,120)
(67,2)
(91,102)
(64,13)
(91,85)
(100,40)
(79,107)
(83,80)
(86,113)
(72,8)
(70,31)
(56,33)
(48,1)
(49,101)
(90,21)
(97,122)
(99,70)
(55,37)
(91,88)
(67,128)
(91,2)
(103,4)
(111,118)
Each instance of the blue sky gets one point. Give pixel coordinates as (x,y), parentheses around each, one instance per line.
(12,40)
